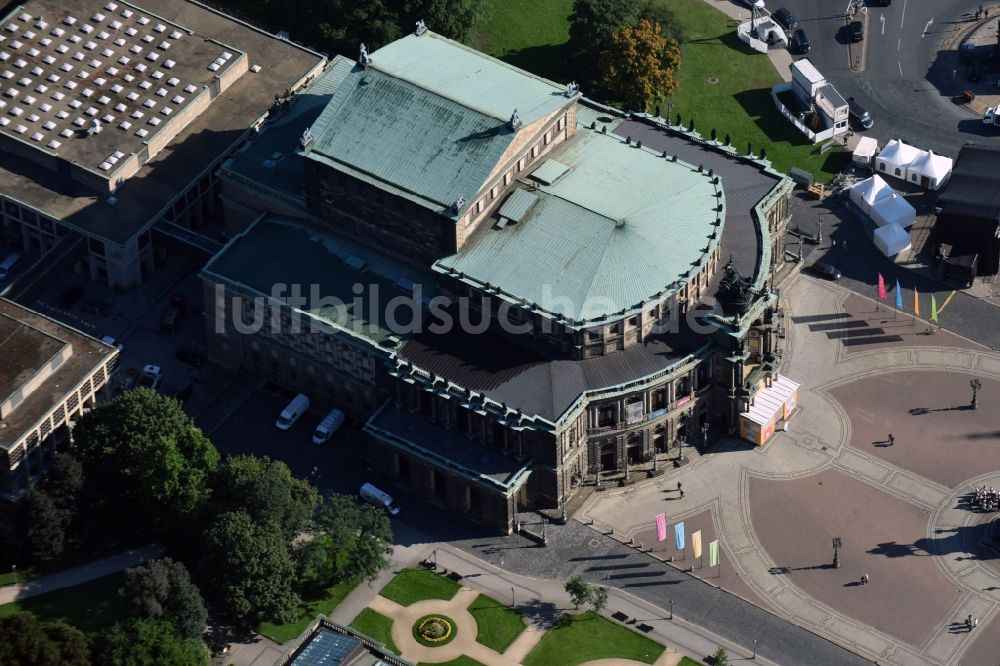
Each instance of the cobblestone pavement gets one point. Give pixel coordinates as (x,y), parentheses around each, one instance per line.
(900,509)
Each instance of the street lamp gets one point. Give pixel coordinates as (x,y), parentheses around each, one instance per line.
(836,552)
(704,434)
(976,385)
(627,461)
(754,649)
(819,231)
(513,601)
(563,502)
(671,609)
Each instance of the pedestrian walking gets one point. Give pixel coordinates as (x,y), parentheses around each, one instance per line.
(682,494)
(678,486)
(968,623)
(892,440)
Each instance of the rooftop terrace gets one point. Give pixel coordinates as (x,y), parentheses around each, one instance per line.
(163,171)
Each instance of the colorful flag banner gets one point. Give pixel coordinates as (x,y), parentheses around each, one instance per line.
(882,294)
(679,535)
(899,297)
(696,543)
(934,310)
(661,527)
(916,302)
(713,553)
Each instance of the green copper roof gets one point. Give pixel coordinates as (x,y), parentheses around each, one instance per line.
(617,229)
(325,267)
(428,117)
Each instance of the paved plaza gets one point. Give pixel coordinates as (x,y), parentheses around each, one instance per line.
(900,507)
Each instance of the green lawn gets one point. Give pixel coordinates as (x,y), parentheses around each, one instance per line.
(740,103)
(311,606)
(688,661)
(498,624)
(90,607)
(460,661)
(375,625)
(526,33)
(413,585)
(590,636)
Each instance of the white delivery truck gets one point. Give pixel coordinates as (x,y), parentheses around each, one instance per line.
(329,425)
(296,408)
(376,497)
(992,116)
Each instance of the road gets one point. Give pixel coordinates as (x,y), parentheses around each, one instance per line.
(906,86)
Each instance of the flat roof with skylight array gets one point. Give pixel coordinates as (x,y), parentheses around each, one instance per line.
(96,84)
(220,76)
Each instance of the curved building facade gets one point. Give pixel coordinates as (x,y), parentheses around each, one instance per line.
(594,289)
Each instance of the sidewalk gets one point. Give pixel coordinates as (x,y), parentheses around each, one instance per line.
(80,574)
(542,601)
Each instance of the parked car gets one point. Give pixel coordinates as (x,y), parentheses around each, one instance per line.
(753,3)
(785,19)
(856,31)
(858,116)
(151,376)
(70,296)
(191,356)
(800,43)
(823,269)
(173,314)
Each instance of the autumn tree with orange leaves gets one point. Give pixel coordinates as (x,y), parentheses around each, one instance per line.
(638,64)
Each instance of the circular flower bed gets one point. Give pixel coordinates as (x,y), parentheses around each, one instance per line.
(434,630)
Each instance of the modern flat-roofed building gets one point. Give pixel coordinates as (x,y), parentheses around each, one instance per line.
(326,643)
(49,373)
(622,268)
(114,117)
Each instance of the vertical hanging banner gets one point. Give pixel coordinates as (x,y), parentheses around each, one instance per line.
(696,543)
(679,535)
(713,553)
(661,527)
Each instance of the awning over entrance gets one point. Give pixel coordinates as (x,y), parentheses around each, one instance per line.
(770,405)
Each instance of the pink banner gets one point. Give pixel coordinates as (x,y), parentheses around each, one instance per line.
(661,527)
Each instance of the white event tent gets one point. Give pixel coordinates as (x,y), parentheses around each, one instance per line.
(865,151)
(892,239)
(893,209)
(895,159)
(868,192)
(929,170)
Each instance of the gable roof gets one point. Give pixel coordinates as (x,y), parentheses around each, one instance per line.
(428,119)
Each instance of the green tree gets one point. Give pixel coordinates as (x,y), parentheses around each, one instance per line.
(451,18)
(162,589)
(144,458)
(138,642)
(248,569)
(64,481)
(40,525)
(638,63)
(359,537)
(659,12)
(26,641)
(592,24)
(266,490)
(721,657)
(579,590)
(598,598)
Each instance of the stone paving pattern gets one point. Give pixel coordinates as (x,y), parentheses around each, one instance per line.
(899,510)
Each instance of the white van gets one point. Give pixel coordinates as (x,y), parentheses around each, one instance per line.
(8,264)
(376,497)
(296,408)
(329,425)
